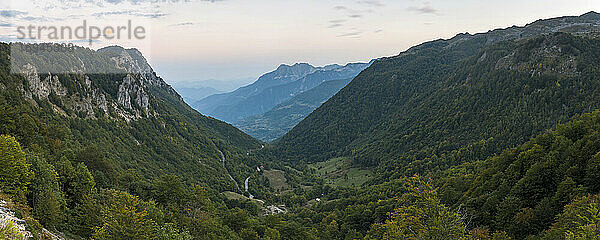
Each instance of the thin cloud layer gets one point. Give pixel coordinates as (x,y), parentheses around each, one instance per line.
(129,13)
(352,13)
(350,34)
(11,13)
(182,24)
(427,9)
(374,3)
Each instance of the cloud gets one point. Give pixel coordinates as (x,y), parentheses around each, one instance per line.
(427,9)
(129,13)
(337,21)
(112,13)
(41,19)
(355,15)
(151,15)
(373,3)
(351,34)
(11,13)
(6,24)
(100,3)
(76,16)
(335,25)
(182,24)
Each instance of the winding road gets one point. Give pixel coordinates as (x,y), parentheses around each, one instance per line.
(248,178)
(230,177)
(246,188)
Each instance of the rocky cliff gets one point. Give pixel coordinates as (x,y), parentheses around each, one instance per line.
(121,93)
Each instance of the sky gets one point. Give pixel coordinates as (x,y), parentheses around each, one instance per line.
(190,40)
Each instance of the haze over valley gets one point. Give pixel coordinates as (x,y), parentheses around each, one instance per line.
(279,120)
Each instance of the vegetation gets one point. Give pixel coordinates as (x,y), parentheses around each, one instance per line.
(282,118)
(497,132)
(448,102)
(9,231)
(339,172)
(15,174)
(422,216)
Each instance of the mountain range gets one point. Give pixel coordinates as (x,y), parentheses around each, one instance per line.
(482,136)
(282,118)
(273,88)
(122,114)
(441,96)
(193,91)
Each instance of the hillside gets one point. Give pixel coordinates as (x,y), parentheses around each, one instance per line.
(130,119)
(492,136)
(523,190)
(451,101)
(542,189)
(283,117)
(271,89)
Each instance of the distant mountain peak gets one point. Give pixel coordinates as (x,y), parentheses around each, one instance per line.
(591,14)
(298,66)
(273,88)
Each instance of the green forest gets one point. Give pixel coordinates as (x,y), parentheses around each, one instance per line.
(453,139)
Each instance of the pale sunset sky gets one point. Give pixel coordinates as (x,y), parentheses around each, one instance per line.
(233,39)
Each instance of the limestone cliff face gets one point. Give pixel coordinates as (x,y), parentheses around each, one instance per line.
(79,94)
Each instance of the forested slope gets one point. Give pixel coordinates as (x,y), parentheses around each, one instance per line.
(283,117)
(546,188)
(101,150)
(472,95)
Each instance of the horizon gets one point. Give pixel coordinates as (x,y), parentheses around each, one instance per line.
(229,40)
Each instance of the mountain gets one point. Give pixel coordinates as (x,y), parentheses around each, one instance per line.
(273,88)
(192,95)
(193,91)
(128,118)
(535,180)
(283,117)
(225,85)
(541,189)
(450,101)
(487,136)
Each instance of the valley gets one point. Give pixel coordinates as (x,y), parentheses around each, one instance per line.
(494,135)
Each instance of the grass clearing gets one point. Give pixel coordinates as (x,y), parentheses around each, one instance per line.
(339,172)
(277,180)
(234,196)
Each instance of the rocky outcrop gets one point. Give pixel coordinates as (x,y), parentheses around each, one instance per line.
(7,216)
(85,97)
(132,94)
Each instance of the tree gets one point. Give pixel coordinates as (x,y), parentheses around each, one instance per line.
(15,174)
(588,226)
(9,230)
(46,197)
(421,217)
(85,217)
(579,220)
(170,232)
(124,218)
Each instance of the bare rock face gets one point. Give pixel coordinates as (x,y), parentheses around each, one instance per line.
(7,216)
(51,87)
(42,88)
(85,97)
(131,94)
